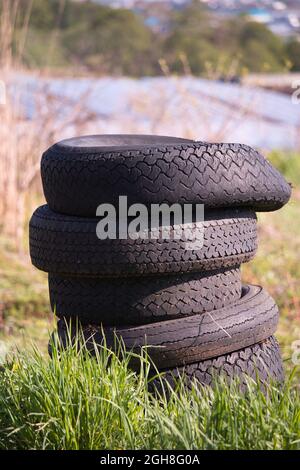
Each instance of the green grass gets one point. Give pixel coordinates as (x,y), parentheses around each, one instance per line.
(24,301)
(79,402)
(288,163)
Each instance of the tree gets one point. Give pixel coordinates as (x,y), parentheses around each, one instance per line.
(191,37)
(43,13)
(113,41)
(258,58)
(293,53)
(261,49)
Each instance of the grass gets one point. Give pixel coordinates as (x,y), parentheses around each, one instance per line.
(79,402)
(277,263)
(24,302)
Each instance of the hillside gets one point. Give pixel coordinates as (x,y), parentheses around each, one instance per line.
(96,38)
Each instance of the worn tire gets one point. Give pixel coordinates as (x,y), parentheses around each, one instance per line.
(261,361)
(136,301)
(64,244)
(80,174)
(173,343)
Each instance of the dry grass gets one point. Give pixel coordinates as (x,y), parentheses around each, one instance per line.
(23,140)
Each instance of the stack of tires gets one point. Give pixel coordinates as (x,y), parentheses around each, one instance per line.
(188,306)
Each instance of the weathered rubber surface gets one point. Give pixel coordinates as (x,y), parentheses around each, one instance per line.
(68,245)
(183,341)
(262,362)
(79,174)
(136,301)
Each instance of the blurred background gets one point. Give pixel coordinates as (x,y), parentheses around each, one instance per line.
(213,70)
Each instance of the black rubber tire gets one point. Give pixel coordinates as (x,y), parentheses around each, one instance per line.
(137,301)
(154,169)
(261,361)
(183,341)
(64,244)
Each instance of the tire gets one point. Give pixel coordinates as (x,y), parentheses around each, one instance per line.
(137,301)
(262,362)
(153,169)
(68,245)
(183,341)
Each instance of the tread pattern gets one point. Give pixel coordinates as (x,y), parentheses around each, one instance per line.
(183,341)
(137,301)
(68,245)
(260,361)
(217,175)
